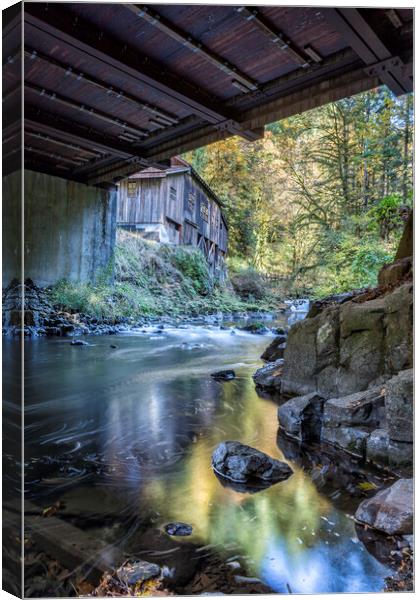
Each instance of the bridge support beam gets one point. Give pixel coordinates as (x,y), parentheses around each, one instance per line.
(69,229)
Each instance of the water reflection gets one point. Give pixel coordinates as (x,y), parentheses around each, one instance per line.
(124,437)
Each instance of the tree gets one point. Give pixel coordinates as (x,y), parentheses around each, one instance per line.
(320,187)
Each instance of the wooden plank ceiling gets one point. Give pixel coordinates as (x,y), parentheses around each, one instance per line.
(110,88)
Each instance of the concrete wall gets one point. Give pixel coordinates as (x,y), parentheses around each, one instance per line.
(69,227)
(12,227)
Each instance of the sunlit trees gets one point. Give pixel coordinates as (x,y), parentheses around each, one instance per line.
(318,188)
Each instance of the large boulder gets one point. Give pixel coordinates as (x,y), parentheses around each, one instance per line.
(377,447)
(243,464)
(350,439)
(348,421)
(300,358)
(399,406)
(390,510)
(397,271)
(406,246)
(400,456)
(301,417)
(351,346)
(398,323)
(361,345)
(275,350)
(362,408)
(270,376)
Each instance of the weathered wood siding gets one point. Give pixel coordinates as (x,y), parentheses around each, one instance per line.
(181,204)
(202,210)
(174,191)
(141,201)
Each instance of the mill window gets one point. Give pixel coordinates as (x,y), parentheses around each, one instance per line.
(204,211)
(132,189)
(191,201)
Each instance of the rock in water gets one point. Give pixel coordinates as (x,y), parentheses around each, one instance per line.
(275,350)
(227,375)
(78,343)
(269,377)
(178,529)
(301,417)
(257,328)
(390,510)
(243,464)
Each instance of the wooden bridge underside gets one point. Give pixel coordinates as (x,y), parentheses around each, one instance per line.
(111,88)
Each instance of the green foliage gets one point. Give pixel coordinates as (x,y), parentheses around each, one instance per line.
(249,284)
(386,214)
(152,279)
(193,266)
(352,266)
(318,201)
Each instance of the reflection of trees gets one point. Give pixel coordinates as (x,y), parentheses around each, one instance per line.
(288,510)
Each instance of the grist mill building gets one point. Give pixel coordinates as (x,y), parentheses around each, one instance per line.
(174,206)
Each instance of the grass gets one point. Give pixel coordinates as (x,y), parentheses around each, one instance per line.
(154,279)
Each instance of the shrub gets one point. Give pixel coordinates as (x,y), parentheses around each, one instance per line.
(249,284)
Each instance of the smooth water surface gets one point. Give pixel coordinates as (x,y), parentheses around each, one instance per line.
(124,437)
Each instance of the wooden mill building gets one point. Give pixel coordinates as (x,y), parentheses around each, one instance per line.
(176,206)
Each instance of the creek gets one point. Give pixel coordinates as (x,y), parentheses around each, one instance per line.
(123,438)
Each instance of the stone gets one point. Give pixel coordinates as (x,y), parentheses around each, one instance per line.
(350,345)
(135,572)
(301,417)
(328,384)
(320,305)
(327,338)
(361,345)
(300,358)
(396,271)
(280,331)
(361,316)
(398,324)
(351,439)
(361,408)
(400,455)
(390,510)
(399,406)
(178,528)
(78,343)
(243,464)
(257,328)
(270,376)
(377,445)
(406,246)
(275,350)
(227,375)
(67,329)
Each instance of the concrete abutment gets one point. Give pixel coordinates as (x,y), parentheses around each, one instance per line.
(69,229)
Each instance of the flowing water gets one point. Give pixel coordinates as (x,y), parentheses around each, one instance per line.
(123,438)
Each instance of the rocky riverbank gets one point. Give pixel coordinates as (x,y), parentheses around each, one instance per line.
(344,379)
(42,318)
(347,368)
